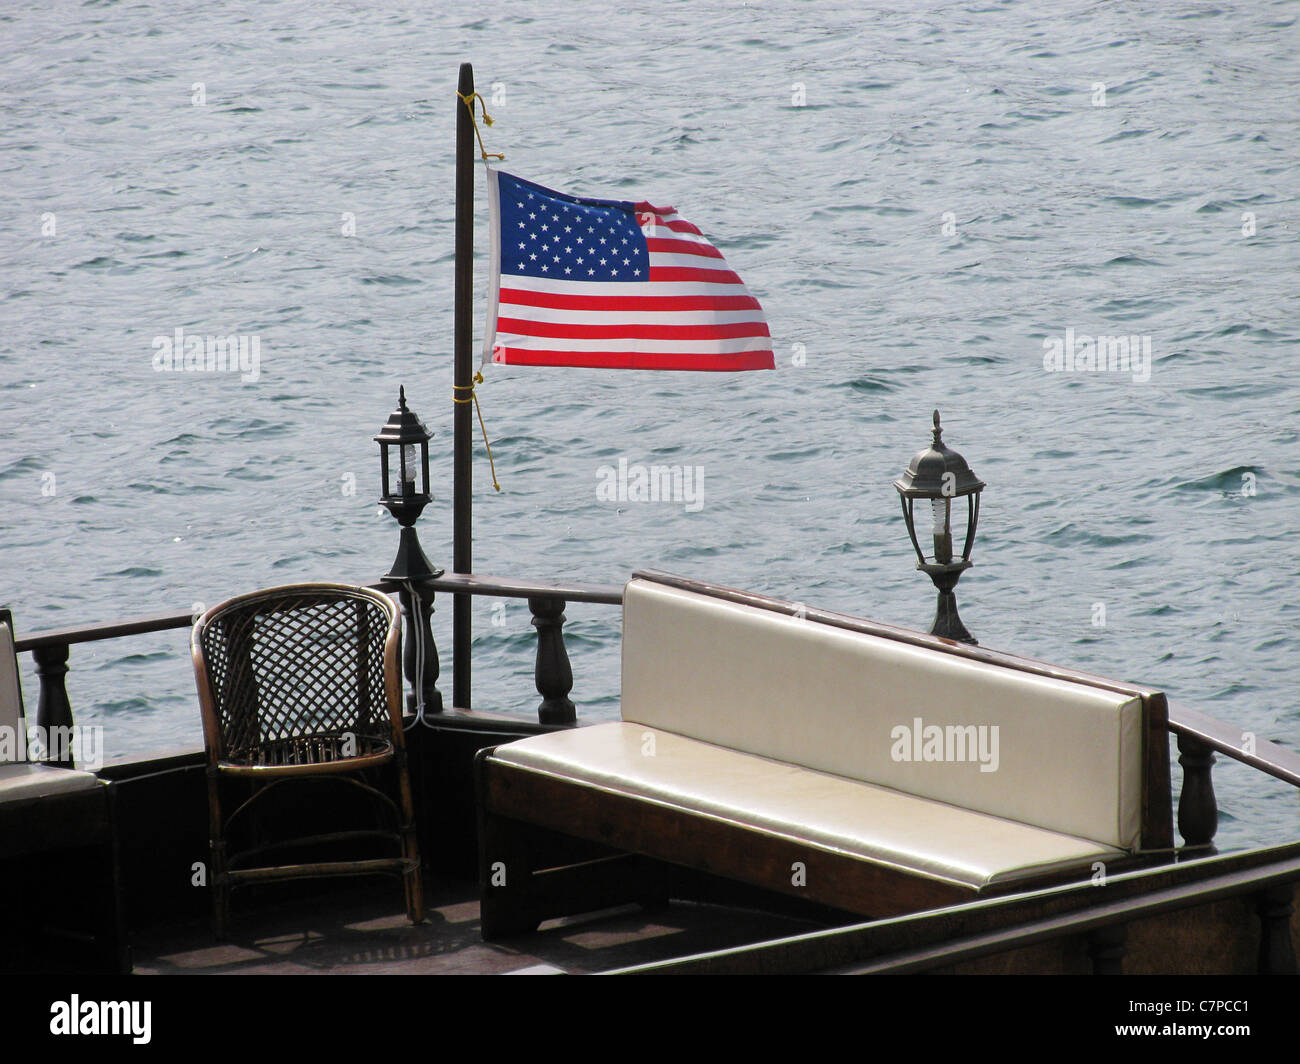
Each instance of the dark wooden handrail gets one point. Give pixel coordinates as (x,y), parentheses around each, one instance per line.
(90,633)
(606,594)
(1229,740)
(500,587)
(922,942)
(1251,882)
(546,601)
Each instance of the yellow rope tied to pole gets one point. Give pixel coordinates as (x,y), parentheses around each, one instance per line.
(473,398)
(469,102)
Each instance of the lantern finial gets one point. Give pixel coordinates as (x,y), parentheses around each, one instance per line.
(938,432)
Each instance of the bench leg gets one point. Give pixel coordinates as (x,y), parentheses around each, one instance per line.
(116,950)
(520,889)
(505,878)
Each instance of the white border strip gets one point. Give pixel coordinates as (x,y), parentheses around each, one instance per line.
(494,268)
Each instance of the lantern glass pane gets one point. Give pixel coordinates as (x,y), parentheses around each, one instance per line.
(958,518)
(971,511)
(384,486)
(909,517)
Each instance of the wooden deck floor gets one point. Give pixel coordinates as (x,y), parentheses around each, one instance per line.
(363,930)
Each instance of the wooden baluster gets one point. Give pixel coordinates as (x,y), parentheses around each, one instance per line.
(554,675)
(1276,949)
(53,710)
(1198,810)
(432,696)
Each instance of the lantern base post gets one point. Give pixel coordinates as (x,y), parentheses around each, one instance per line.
(419,651)
(947,624)
(411,563)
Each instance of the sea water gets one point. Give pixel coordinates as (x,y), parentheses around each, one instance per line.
(934,202)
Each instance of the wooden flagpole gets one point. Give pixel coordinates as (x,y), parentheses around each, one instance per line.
(462,471)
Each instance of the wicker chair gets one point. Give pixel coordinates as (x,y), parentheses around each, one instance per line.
(302,683)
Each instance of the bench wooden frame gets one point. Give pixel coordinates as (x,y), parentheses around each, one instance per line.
(519,809)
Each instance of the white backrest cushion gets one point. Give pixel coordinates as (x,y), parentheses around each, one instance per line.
(11,705)
(1068,756)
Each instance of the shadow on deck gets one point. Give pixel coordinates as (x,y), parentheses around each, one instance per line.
(364,931)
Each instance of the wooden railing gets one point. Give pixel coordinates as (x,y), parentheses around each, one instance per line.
(546,601)
(553,674)
(50,651)
(1199,736)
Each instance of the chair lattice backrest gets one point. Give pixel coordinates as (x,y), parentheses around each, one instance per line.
(296,675)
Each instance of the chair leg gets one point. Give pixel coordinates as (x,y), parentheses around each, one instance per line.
(410,845)
(414,886)
(219,879)
(220,897)
(217,882)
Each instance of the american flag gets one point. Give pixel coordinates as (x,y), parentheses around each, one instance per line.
(612,284)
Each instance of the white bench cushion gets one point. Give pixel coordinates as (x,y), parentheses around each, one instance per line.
(20,780)
(752,680)
(11,701)
(917,835)
(24,780)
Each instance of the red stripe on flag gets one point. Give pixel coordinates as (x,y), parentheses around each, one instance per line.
(521,297)
(721,363)
(682,247)
(677,225)
(693,273)
(630,330)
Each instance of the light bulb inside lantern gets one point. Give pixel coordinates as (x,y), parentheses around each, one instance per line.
(940,508)
(410,460)
(942,536)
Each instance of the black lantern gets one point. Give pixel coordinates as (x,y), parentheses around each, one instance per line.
(941,476)
(404,449)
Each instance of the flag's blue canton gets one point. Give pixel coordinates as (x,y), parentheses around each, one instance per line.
(548,234)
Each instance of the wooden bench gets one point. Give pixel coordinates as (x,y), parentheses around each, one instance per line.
(859,766)
(57,839)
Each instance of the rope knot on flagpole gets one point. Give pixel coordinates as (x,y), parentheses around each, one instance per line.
(468,100)
(473,398)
